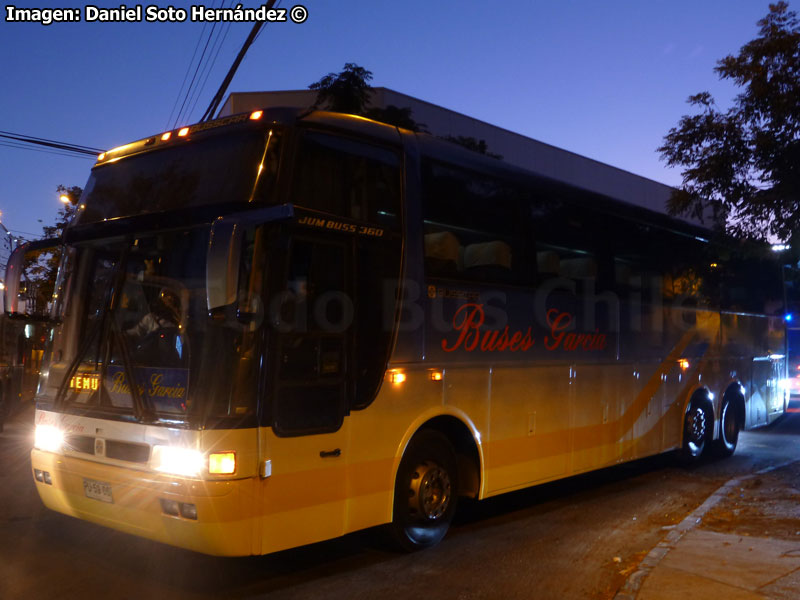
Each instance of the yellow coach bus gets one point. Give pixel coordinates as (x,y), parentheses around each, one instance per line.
(277,328)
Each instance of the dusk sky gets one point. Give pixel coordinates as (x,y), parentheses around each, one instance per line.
(604,79)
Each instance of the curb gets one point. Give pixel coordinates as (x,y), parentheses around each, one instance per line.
(633,584)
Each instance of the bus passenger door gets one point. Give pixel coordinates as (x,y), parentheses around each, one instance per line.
(310,352)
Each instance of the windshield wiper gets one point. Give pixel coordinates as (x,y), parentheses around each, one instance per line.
(143,410)
(143,407)
(73,366)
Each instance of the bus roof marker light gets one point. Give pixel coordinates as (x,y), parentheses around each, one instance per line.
(436,376)
(256,115)
(684,364)
(397,377)
(166,136)
(184,131)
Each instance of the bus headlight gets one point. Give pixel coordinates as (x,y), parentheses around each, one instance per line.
(177,461)
(48,438)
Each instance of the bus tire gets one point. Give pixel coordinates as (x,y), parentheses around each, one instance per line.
(728,429)
(426,491)
(696,425)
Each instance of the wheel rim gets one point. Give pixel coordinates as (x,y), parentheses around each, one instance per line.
(696,421)
(429,491)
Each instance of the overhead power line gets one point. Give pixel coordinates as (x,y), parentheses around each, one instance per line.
(217,100)
(190,89)
(185,77)
(20,146)
(62,146)
(277,5)
(221,37)
(195,86)
(17,231)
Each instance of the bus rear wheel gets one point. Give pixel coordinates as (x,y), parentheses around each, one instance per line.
(728,430)
(695,431)
(426,491)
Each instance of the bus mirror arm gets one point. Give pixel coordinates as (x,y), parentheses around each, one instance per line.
(16,316)
(224,252)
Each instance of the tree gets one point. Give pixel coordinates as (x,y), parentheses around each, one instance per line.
(345,92)
(41,266)
(744,163)
(349,92)
(65,213)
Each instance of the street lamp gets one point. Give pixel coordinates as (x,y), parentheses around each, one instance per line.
(65,199)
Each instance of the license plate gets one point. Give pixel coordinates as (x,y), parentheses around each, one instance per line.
(99,490)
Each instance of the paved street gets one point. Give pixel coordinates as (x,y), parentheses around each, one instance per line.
(580,538)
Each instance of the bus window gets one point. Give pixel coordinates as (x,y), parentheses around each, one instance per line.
(312,341)
(377,266)
(471,226)
(568,244)
(348,178)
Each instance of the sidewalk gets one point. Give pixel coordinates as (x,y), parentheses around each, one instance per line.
(743,543)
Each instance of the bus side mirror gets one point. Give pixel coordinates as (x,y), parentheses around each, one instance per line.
(225,248)
(30,282)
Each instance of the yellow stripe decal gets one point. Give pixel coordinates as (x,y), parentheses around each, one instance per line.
(500,453)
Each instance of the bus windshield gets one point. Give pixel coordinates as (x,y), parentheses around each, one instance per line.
(217,169)
(140,306)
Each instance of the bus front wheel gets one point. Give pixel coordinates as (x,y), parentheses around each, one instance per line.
(426,490)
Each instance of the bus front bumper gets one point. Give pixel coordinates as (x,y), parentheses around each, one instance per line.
(151,505)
